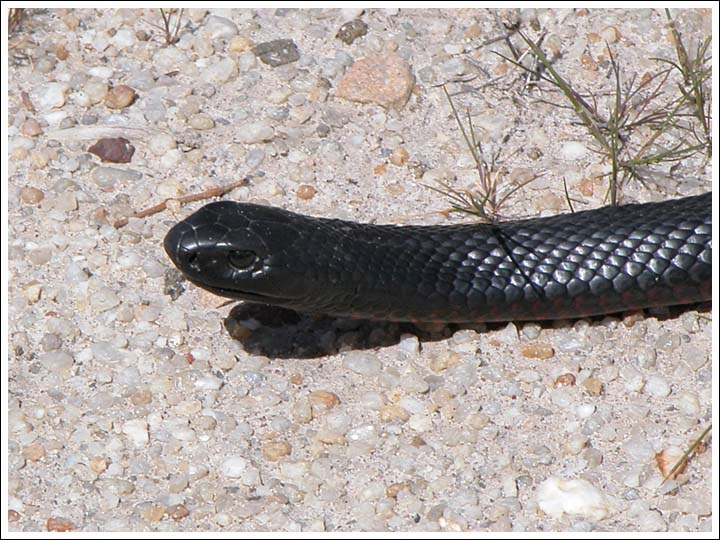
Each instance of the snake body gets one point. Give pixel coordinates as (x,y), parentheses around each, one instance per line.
(611,259)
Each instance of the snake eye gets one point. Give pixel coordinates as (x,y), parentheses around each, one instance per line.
(242,259)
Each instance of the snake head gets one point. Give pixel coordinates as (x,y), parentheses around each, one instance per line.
(229,249)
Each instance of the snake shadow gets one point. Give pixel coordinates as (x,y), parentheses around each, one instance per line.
(282,333)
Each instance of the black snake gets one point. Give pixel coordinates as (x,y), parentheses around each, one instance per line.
(611,259)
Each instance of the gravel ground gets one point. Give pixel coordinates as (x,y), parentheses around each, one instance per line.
(137,402)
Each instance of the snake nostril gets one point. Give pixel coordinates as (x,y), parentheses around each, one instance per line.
(193,263)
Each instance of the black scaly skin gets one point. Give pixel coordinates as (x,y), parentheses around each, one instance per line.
(566,266)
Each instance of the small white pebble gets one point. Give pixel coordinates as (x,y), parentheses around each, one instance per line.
(657,386)
(124,38)
(338,422)
(575,443)
(221,72)
(216,27)
(50,96)
(104,299)
(234,467)
(208,382)
(585,410)
(58,362)
(508,485)
(101,72)
(420,422)
(634,380)
(363,363)
(254,132)
(183,433)
(651,520)
(409,344)
(365,432)
(454,48)
(573,151)
(161,143)
(562,396)
(128,259)
(171,159)
(556,497)
(412,405)
(294,471)
(688,403)
(412,382)
(137,431)
(373,400)
(638,449)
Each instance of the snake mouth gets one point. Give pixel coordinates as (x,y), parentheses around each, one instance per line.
(240,294)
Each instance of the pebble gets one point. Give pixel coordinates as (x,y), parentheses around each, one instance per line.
(556,497)
(101,72)
(305,192)
(31,128)
(107,177)
(694,358)
(45,64)
(650,521)
(217,27)
(113,150)
(537,350)
(277,52)
(610,34)
(124,38)
(393,414)
(254,132)
(322,401)
(235,467)
(634,380)
(638,449)
(382,79)
(167,59)
(273,451)
(40,256)
(59,362)
(409,344)
(688,403)
(566,379)
(573,151)
(668,341)
(240,44)
(656,386)
(96,90)
(667,459)
(201,121)
(399,156)
(120,97)
(57,524)
(104,299)
(220,72)
(208,382)
(363,363)
(65,202)
(161,143)
(352,30)
(347,14)
(170,160)
(585,411)
(49,96)
(137,432)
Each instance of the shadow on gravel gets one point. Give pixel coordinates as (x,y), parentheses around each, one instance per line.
(277,332)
